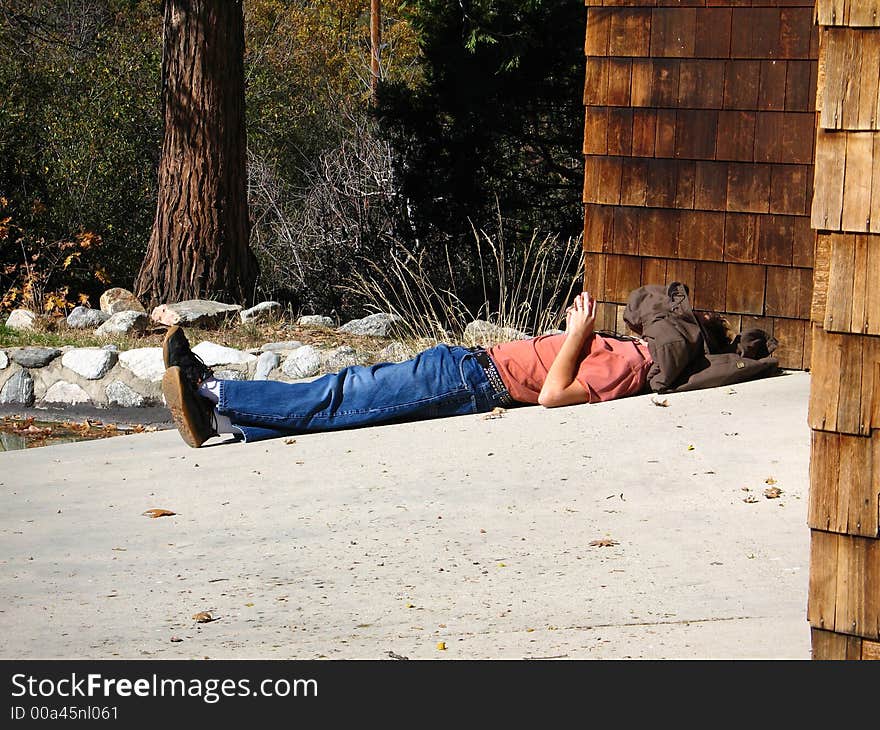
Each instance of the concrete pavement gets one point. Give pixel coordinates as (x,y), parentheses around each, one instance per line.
(384,542)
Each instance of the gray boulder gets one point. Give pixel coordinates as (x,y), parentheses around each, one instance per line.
(302,363)
(341,357)
(34,357)
(230,375)
(21,319)
(314,320)
(118,299)
(18,390)
(124,323)
(119,394)
(380,324)
(396,352)
(90,363)
(266,363)
(85,317)
(4,360)
(263,310)
(194,313)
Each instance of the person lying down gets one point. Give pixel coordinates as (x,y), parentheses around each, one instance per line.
(674,349)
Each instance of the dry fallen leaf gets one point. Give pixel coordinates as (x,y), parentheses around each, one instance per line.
(750,499)
(769,480)
(495,413)
(290,441)
(662,403)
(772,492)
(604,542)
(691,447)
(441,646)
(203,617)
(159,513)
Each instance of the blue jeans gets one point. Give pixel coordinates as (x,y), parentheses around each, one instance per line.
(442,381)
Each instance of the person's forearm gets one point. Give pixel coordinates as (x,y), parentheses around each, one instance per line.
(563,371)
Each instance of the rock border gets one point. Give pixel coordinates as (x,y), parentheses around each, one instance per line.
(104,377)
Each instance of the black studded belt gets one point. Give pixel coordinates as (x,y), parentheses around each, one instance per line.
(501,394)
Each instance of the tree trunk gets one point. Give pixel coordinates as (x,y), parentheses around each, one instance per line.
(198,248)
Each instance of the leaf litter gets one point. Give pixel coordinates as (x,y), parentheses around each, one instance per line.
(157,512)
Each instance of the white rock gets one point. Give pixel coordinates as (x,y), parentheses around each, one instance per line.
(21,319)
(263,310)
(4,361)
(314,320)
(119,394)
(302,363)
(122,323)
(281,346)
(18,390)
(266,363)
(88,362)
(64,392)
(145,362)
(213,354)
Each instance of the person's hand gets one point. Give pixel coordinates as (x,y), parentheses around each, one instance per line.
(580,317)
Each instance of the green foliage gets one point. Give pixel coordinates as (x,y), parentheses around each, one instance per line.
(481,102)
(497,121)
(307,67)
(80,127)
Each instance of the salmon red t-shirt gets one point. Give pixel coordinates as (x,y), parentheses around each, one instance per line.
(609,368)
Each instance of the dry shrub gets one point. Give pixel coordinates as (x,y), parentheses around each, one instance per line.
(524,288)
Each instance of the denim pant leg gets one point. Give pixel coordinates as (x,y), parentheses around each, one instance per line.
(442,381)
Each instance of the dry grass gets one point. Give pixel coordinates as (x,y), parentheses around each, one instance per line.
(535,282)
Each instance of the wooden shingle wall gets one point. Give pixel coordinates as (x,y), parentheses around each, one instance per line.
(699,149)
(844,510)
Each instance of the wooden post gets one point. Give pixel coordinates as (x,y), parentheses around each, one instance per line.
(844,509)
(375,45)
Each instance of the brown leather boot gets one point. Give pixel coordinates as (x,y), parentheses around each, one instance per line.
(193,415)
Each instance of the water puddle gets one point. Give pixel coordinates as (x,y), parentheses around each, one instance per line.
(28,433)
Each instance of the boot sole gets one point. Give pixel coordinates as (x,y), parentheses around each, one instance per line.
(183,411)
